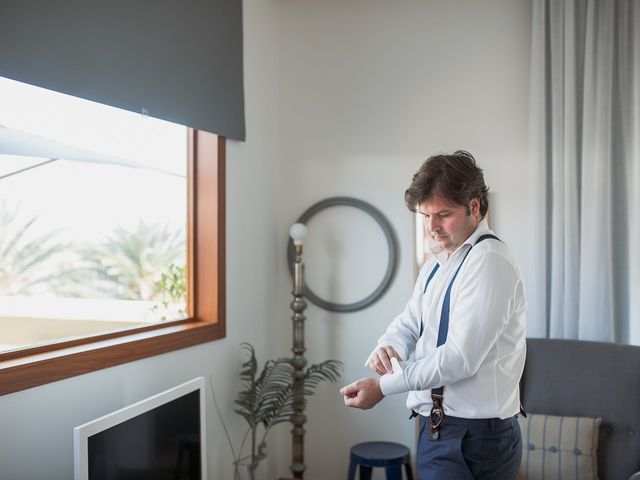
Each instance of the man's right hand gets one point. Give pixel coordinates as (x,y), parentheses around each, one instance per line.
(380,361)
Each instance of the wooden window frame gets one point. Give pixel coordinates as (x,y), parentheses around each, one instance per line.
(30,367)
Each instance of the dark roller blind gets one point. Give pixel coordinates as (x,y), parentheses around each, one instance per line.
(179,60)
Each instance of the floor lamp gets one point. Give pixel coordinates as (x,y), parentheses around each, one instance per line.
(298,233)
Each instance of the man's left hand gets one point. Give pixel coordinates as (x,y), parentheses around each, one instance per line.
(364,393)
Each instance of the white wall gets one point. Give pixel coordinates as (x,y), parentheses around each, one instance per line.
(36,425)
(369,89)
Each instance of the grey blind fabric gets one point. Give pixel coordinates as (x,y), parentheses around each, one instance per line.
(177,60)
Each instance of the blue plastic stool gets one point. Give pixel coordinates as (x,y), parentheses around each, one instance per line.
(391,456)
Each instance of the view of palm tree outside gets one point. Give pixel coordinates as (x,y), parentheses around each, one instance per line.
(93,212)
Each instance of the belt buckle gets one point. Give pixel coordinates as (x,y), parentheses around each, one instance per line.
(436,416)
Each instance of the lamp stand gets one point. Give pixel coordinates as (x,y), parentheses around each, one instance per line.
(298,305)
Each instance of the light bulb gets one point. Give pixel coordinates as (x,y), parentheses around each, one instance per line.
(298,233)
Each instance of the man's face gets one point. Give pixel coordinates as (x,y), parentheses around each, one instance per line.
(448,223)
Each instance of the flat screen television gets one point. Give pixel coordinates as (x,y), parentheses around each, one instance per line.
(161,437)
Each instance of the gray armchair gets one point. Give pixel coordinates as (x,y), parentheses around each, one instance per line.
(590,379)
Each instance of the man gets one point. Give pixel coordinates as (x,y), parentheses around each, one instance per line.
(465,326)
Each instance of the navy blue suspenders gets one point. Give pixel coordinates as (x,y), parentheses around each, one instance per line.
(431,275)
(444,315)
(437,411)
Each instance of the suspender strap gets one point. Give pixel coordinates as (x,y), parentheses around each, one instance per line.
(485,236)
(433,272)
(437,416)
(443,328)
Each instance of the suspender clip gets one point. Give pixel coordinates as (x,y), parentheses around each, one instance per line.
(436,416)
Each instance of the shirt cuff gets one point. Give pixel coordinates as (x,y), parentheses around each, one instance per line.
(392,383)
(397,347)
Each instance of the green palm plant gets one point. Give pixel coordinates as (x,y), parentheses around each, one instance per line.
(267,399)
(26,258)
(129,263)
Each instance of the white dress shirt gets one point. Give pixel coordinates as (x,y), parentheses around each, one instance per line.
(481,362)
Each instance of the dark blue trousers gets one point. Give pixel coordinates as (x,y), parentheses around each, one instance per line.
(470,449)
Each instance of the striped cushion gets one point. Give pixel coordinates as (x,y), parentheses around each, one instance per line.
(559,447)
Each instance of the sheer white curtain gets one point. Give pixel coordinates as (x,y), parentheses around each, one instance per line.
(585,170)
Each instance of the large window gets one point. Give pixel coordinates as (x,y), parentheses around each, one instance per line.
(112,226)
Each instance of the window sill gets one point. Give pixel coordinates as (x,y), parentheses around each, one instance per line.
(27,332)
(28,368)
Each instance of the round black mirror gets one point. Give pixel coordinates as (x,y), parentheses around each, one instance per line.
(391,244)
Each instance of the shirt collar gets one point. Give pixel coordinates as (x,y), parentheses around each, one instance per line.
(441,254)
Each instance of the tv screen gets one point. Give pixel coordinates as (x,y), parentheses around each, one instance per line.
(159,438)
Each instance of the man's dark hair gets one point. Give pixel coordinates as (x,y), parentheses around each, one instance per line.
(455,177)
